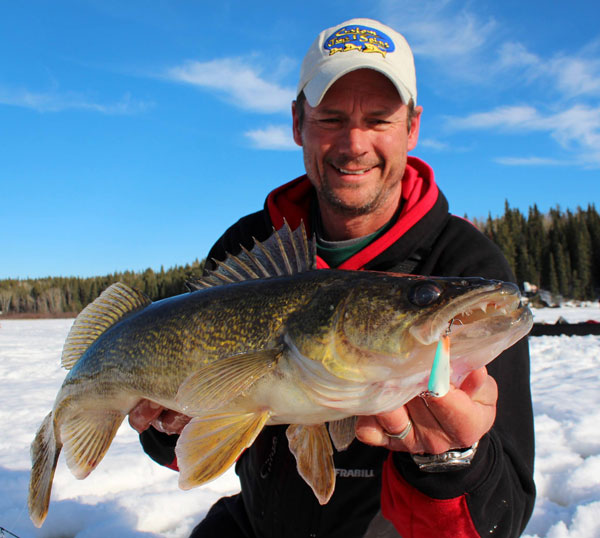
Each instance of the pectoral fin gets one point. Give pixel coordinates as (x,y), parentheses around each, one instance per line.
(439,378)
(312,449)
(218,383)
(209,445)
(342,432)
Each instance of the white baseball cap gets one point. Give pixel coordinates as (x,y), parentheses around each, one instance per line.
(357,44)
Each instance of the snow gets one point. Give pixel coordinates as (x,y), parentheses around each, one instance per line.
(573,314)
(128,495)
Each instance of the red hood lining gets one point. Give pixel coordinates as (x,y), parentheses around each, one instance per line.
(419,192)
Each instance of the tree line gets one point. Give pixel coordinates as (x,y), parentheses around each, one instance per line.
(557,251)
(55,296)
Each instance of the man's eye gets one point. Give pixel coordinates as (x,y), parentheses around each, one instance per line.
(329,120)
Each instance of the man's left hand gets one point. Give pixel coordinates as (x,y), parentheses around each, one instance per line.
(457,420)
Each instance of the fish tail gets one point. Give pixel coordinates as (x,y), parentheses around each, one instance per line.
(45,450)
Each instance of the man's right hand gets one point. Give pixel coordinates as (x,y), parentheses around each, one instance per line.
(147,413)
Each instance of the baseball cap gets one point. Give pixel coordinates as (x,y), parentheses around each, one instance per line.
(357,44)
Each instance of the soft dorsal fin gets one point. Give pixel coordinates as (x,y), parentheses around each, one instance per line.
(283,253)
(113,304)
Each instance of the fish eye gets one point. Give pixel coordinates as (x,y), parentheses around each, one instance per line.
(424,293)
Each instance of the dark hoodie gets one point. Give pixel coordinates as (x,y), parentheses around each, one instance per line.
(494,496)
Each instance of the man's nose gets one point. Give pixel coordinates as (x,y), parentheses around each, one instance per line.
(354,141)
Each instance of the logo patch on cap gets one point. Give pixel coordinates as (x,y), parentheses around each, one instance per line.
(360,38)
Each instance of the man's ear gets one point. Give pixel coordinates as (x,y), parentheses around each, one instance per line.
(295,125)
(415,124)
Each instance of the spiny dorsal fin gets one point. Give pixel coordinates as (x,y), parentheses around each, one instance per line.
(283,253)
(115,302)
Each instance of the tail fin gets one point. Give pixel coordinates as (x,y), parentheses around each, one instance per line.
(44,454)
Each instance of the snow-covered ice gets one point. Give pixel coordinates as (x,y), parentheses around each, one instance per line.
(130,496)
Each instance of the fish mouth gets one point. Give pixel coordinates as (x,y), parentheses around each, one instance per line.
(478,314)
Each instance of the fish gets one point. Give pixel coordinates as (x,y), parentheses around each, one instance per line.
(264,339)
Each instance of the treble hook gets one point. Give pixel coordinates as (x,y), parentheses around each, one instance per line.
(450,323)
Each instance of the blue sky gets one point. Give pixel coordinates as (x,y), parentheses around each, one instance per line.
(132,133)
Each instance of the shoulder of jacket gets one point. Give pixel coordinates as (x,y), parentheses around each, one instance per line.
(463,248)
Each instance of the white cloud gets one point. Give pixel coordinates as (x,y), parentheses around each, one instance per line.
(432,143)
(460,35)
(576,76)
(441,30)
(241,83)
(468,46)
(531,161)
(56,102)
(515,55)
(278,137)
(471,51)
(576,128)
(506,117)
(571,76)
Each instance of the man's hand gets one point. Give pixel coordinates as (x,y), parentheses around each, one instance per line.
(147,413)
(456,420)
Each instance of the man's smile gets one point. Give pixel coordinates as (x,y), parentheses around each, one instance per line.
(351,171)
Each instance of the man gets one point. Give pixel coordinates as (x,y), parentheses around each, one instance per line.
(456,466)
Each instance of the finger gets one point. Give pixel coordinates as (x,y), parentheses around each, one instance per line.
(369,431)
(394,422)
(462,419)
(380,430)
(430,435)
(480,386)
(142,415)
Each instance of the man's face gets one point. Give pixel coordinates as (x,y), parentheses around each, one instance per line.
(355,143)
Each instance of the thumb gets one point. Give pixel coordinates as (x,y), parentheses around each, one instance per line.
(478,385)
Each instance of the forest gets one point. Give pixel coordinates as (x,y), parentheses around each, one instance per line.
(558,251)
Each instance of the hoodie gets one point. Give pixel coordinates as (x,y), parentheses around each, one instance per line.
(494,495)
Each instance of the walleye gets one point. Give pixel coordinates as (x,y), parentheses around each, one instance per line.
(266,339)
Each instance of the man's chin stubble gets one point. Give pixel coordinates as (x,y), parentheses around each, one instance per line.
(344,209)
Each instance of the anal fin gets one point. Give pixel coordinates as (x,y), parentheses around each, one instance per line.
(312,449)
(209,445)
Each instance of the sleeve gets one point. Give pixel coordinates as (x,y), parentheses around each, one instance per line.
(495,495)
(160,446)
